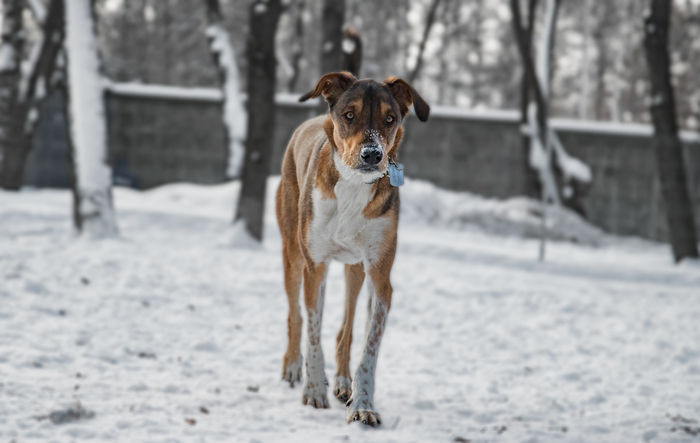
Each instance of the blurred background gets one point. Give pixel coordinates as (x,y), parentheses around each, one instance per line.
(169,116)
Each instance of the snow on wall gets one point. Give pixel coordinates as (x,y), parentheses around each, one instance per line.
(506,115)
(235,116)
(87,123)
(165,92)
(451,112)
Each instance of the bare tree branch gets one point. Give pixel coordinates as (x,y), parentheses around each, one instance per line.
(429,20)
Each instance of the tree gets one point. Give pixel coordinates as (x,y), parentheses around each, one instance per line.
(264,16)
(532,187)
(297,52)
(539,130)
(225,59)
(93,213)
(332,21)
(352,52)
(11,46)
(669,152)
(429,20)
(36,79)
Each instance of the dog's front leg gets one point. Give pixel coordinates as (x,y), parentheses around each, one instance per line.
(360,406)
(315,385)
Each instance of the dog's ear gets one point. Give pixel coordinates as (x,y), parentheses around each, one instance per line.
(331,86)
(407,96)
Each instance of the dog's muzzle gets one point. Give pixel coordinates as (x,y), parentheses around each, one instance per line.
(371,155)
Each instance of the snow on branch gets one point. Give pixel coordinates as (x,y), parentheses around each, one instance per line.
(38,9)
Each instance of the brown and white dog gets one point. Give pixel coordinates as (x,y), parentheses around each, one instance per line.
(335,202)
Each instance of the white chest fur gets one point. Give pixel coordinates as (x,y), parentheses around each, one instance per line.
(340,231)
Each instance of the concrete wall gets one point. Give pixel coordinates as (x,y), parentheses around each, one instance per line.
(156,140)
(153,141)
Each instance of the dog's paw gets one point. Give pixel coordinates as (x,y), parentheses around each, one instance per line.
(315,396)
(360,409)
(365,416)
(291,370)
(342,388)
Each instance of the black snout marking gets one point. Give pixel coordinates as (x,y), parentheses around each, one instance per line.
(371,155)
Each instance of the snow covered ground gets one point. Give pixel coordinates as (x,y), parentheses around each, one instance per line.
(170,334)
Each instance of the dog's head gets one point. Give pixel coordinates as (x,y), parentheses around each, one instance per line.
(366,117)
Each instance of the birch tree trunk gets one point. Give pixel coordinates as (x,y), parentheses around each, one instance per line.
(93,213)
(235,117)
(35,83)
(264,16)
(669,151)
(11,45)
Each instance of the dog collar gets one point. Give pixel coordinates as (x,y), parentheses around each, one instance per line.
(395,171)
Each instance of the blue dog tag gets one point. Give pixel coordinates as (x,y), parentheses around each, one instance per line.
(395,174)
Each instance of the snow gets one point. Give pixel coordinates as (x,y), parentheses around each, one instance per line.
(544,47)
(453,112)
(87,123)
(235,116)
(162,91)
(483,342)
(200,94)
(541,158)
(557,124)
(507,116)
(349,45)
(239,237)
(260,8)
(292,99)
(572,167)
(32,118)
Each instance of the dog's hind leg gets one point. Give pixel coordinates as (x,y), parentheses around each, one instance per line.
(354,277)
(315,385)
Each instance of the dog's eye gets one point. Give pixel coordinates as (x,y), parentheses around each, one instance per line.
(390,119)
(349,115)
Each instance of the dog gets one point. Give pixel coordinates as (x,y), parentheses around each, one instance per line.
(336,202)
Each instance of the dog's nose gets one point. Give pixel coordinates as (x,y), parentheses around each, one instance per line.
(371,155)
